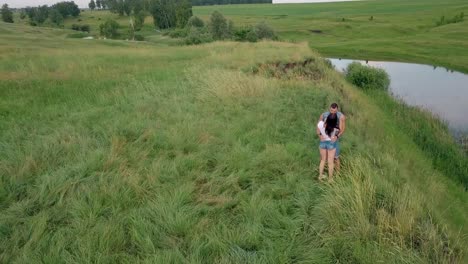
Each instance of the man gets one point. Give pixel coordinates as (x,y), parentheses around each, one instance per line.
(341,125)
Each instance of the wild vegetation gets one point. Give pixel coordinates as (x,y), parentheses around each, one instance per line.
(367,77)
(118,152)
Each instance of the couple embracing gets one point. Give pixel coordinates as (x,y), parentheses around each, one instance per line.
(330,128)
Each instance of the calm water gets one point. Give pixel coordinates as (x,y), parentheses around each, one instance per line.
(441,91)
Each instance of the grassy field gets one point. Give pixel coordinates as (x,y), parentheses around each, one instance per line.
(124,152)
(401,30)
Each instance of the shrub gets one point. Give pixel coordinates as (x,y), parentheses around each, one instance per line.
(55,16)
(367,77)
(77,35)
(85,28)
(178,33)
(109,29)
(218,26)
(139,20)
(195,21)
(76,27)
(264,31)
(139,38)
(456,19)
(198,36)
(240,34)
(251,36)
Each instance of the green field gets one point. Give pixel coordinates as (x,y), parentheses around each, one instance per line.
(401,30)
(127,152)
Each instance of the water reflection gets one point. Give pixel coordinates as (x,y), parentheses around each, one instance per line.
(442,91)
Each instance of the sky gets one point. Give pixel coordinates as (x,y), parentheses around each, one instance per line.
(24,3)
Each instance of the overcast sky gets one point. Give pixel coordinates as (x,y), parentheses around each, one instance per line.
(23,3)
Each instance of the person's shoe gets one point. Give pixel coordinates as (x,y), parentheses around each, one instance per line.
(321,178)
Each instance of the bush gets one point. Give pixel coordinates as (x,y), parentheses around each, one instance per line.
(139,20)
(195,21)
(77,35)
(55,17)
(456,19)
(218,26)
(85,28)
(240,34)
(198,36)
(367,77)
(264,31)
(76,27)
(251,36)
(109,29)
(139,38)
(178,33)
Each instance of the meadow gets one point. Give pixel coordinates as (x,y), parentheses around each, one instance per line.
(393,30)
(139,152)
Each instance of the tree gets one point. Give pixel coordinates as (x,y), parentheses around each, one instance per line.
(67,8)
(38,15)
(7,15)
(183,12)
(55,17)
(195,21)
(218,26)
(109,29)
(139,20)
(170,13)
(264,31)
(98,4)
(164,14)
(92,5)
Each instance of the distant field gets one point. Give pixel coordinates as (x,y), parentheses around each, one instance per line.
(401,30)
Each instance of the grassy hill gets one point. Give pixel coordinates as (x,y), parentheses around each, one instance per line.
(124,152)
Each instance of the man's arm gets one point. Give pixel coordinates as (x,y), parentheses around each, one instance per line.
(342,125)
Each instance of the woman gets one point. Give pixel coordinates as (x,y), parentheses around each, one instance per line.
(327,132)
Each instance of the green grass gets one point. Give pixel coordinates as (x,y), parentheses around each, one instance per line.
(123,152)
(401,30)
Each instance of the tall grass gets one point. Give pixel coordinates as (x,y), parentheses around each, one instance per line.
(116,152)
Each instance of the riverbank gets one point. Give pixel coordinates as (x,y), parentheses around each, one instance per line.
(390,30)
(440,91)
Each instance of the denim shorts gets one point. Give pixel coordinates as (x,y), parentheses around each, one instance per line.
(331,145)
(327,145)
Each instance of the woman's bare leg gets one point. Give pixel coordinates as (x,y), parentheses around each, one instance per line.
(323,159)
(331,164)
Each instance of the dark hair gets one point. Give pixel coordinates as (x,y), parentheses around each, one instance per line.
(331,123)
(334,105)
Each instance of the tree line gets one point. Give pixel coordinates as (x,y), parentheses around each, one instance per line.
(228,2)
(166,13)
(38,15)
